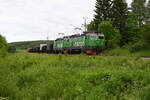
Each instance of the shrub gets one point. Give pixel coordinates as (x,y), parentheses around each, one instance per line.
(138,46)
(117,52)
(112,35)
(11,49)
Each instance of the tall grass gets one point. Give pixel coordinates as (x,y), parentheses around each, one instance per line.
(25,76)
(126,52)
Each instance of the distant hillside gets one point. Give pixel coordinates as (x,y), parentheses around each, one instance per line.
(27,44)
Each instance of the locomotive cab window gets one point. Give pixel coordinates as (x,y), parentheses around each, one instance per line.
(93,36)
(101,37)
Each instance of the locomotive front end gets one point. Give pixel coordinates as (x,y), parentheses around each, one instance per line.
(94,43)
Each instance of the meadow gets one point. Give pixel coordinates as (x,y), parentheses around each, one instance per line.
(27,76)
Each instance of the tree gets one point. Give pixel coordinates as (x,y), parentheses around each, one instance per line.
(112,34)
(133,34)
(3,46)
(103,11)
(3,43)
(138,7)
(148,12)
(119,18)
(91,26)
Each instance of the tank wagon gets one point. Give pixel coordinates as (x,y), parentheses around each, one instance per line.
(90,42)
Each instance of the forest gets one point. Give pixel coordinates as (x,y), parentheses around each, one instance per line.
(124,26)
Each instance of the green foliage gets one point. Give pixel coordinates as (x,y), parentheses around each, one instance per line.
(119,18)
(137,46)
(139,8)
(127,21)
(145,33)
(128,50)
(132,20)
(148,12)
(111,10)
(140,40)
(146,94)
(11,49)
(133,29)
(103,11)
(91,26)
(112,35)
(3,46)
(79,77)
(143,43)
(117,52)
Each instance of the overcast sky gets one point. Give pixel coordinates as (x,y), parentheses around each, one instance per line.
(23,20)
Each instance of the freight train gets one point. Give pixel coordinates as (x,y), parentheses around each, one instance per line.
(90,42)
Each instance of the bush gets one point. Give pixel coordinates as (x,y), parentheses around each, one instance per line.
(117,52)
(112,35)
(11,49)
(138,46)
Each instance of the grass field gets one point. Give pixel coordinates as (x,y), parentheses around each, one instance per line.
(25,76)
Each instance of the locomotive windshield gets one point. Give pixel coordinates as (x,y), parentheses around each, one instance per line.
(93,36)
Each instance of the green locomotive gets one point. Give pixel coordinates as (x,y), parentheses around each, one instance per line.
(90,42)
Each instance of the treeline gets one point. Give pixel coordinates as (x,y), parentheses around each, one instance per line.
(123,25)
(15,46)
(26,44)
